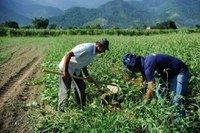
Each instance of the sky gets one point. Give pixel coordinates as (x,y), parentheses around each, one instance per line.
(65,4)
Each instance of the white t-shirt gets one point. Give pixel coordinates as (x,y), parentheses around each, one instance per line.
(83,55)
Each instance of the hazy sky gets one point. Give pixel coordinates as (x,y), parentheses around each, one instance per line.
(64,4)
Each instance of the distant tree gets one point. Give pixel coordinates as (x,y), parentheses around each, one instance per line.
(88,27)
(40,23)
(52,26)
(166,25)
(198,26)
(27,27)
(2,25)
(96,26)
(114,27)
(73,27)
(10,24)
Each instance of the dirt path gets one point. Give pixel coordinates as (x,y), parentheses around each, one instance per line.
(16,73)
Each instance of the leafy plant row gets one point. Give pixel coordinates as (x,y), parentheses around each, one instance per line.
(133,115)
(58,32)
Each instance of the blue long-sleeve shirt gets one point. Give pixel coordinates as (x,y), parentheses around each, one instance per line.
(159,63)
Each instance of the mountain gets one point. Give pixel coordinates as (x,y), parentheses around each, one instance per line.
(184,12)
(114,13)
(23,11)
(132,13)
(7,14)
(66,4)
(122,14)
(74,17)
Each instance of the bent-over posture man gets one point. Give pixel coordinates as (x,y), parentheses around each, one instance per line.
(72,63)
(173,74)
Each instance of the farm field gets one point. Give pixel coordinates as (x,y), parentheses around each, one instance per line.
(28,97)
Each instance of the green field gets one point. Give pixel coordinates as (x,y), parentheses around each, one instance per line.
(133,115)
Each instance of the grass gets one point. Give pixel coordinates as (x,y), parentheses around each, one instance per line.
(134,115)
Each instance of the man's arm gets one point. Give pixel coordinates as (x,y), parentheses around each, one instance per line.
(150,90)
(86,73)
(67,58)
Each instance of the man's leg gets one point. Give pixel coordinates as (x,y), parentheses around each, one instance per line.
(79,90)
(178,86)
(64,90)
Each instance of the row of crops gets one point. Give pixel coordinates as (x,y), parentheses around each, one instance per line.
(132,115)
(130,32)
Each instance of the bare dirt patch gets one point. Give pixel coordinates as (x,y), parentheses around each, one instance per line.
(20,69)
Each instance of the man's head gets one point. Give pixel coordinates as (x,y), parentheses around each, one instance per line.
(132,62)
(102,45)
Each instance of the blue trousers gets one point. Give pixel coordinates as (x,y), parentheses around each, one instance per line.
(177,85)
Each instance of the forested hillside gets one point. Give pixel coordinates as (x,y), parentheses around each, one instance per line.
(128,14)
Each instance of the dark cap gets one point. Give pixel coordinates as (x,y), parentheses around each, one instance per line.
(130,60)
(104,42)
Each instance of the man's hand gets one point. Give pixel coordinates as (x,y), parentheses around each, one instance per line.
(149,93)
(149,96)
(146,101)
(66,74)
(90,79)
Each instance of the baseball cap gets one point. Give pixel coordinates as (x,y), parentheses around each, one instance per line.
(104,42)
(129,60)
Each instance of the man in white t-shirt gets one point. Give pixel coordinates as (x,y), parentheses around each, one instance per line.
(72,63)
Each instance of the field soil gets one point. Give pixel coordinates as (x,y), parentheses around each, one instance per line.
(16,75)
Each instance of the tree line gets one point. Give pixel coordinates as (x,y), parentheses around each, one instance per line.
(43,23)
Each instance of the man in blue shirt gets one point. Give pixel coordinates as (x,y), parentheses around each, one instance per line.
(172,71)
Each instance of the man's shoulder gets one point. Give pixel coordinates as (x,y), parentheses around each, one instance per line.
(84,46)
(150,57)
(158,56)
(149,61)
